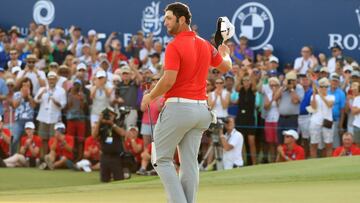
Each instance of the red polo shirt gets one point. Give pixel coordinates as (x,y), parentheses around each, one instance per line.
(4,146)
(36,142)
(353,151)
(129,148)
(192,57)
(60,149)
(90,142)
(296,154)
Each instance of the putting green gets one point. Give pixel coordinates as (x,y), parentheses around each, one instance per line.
(322,180)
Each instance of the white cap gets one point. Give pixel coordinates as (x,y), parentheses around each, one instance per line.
(133,127)
(348,68)
(292,133)
(268,47)
(86,45)
(15,69)
(273,59)
(324,69)
(10,81)
(324,82)
(29,125)
(116,77)
(51,74)
(59,125)
(100,73)
(334,76)
(227,29)
(91,32)
(81,66)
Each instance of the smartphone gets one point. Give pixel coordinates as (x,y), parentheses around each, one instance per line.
(101,35)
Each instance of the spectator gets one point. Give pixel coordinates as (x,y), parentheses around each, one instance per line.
(345,77)
(76,117)
(24,105)
(100,96)
(92,38)
(3,91)
(77,41)
(134,144)
(64,74)
(145,160)
(322,60)
(158,47)
(274,63)
(355,111)
(9,111)
(268,52)
(91,160)
(146,51)
(29,153)
(52,100)
(113,51)
(232,143)
(336,55)
(338,110)
(14,61)
(245,118)
(61,149)
(14,72)
(154,64)
(219,99)
(5,136)
(348,148)
(288,97)
(324,73)
(59,52)
(242,51)
(322,119)
(155,108)
(37,77)
(290,151)
(352,94)
(306,61)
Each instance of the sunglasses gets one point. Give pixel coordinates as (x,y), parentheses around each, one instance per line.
(347,71)
(155,80)
(324,86)
(219,83)
(31,62)
(274,85)
(288,136)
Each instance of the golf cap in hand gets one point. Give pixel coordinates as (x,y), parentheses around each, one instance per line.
(224,30)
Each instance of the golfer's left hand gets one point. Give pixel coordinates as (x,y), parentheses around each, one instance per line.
(145,101)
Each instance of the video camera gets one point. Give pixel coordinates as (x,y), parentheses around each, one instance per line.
(215,129)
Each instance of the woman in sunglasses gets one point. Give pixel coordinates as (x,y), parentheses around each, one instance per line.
(219,99)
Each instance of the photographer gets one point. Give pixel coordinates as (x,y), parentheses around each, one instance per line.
(232,143)
(111,145)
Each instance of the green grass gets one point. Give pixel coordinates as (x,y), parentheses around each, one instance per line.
(324,180)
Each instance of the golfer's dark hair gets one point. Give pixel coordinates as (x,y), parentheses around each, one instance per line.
(180,9)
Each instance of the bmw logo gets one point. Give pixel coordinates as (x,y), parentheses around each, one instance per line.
(254,21)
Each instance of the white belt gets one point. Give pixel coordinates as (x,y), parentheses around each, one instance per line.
(183,100)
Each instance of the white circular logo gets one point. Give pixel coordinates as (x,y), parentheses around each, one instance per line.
(49,10)
(255,21)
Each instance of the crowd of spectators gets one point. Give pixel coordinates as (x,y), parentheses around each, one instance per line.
(55,84)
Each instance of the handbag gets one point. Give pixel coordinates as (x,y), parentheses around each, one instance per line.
(327,123)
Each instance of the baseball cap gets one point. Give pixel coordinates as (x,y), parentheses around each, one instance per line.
(125,69)
(335,76)
(133,127)
(224,30)
(100,73)
(104,60)
(154,55)
(31,56)
(324,82)
(348,68)
(291,75)
(355,74)
(54,64)
(51,74)
(15,69)
(29,125)
(268,47)
(86,45)
(292,133)
(59,126)
(77,81)
(324,69)
(91,32)
(10,81)
(116,77)
(81,66)
(273,59)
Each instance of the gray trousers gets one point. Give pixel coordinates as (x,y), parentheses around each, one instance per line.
(182,125)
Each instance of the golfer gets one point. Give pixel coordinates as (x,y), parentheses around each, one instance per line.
(185,115)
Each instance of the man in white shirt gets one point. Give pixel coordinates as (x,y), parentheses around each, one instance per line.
(146,51)
(52,100)
(306,61)
(336,52)
(268,52)
(232,143)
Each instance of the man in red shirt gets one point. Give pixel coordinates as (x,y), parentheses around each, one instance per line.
(290,151)
(348,148)
(133,143)
(185,115)
(113,51)
(5,137)
(29,153)
(61,149)
(91,159)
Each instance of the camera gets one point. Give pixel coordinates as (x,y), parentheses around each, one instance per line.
(216,128)
(106,114)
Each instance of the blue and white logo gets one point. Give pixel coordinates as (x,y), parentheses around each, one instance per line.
(255,21)
(44,12)
(151,20)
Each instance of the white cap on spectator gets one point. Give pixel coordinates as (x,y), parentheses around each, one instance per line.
(324,69)
(15,69)
(125,69)
(335,76)
(91,32)
(81,66)
(268,47)
(291,75)
(1,119)
(51,74)
(273,59)
(348,68)
(10,81)
(292,133)
(355,74)
(59,125)
(324,82)
(29,125)
(275,80)
(116,77)
(133,127)
(100,73)
(86,45)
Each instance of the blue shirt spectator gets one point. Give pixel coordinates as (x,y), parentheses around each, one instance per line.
(305,102)
(340,101)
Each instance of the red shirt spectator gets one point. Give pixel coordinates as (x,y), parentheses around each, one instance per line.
(128,147)
(36,142)
(118,57)
(60,150)
(92,148)
(3,145)
(297,153)
(342,151)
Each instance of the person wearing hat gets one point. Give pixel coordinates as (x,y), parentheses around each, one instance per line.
(5,136)
(91,159)
(104,64)
(110,136)
(61,149)
(268,51)
(155,65)
(63,77)
(29,153)
(288,97)
(338,108)
(14,61)
(290,151)
(100,95)
(77,41)
(321,119)
(336,52)
(324,72)
(345,77)
(306,61)
(274,63)
(219,99)
(134,144)
(37,77)
(93,39)
(52,100)
(113,51)
(242,50)
(15,70)
(76,112)
(352,93)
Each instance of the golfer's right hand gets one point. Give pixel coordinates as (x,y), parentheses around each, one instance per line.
(145,101)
